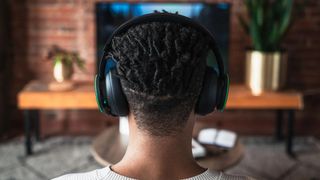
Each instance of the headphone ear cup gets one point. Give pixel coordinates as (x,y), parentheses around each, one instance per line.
(99,96)
(207,100)
(115,96)
(223,92)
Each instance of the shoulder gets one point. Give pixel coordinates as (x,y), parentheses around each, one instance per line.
(214,175)
(98,174)
(223,176)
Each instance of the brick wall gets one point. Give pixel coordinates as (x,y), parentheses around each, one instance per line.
(38,24)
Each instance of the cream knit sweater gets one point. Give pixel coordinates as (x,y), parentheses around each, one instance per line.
(107,174)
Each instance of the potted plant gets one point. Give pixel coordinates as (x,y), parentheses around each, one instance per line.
(267,24)
(63,62)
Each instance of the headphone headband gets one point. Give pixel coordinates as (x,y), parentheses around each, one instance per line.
(173,18)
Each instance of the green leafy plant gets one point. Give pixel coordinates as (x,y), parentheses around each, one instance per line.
(68,58)
(267,24)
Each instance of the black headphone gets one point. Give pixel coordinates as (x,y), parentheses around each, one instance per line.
(108,89)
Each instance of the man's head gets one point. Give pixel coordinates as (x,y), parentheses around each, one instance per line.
(161,66)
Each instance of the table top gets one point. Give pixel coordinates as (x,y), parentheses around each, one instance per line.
(36,95)
(109,147)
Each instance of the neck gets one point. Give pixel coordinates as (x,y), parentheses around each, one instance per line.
(153,157)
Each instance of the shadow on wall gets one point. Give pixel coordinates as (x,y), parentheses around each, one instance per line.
(4,64)
(14,70)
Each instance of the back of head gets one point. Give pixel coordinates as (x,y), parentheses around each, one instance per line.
(161,66)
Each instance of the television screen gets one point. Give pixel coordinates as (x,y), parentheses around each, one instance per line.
(215,17)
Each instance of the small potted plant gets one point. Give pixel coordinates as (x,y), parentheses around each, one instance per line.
(63,62)
(266,62)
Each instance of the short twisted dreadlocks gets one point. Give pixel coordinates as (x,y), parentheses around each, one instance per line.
(161,67)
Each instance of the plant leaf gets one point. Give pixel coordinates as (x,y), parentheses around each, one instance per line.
(285,21)
(243,24)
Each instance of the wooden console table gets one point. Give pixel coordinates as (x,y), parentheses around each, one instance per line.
(36,96)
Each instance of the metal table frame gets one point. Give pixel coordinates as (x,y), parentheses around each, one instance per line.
(31,128)
(290,128)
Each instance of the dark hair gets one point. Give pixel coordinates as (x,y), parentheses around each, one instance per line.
(161,66)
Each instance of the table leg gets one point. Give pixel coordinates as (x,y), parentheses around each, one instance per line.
(36,124)
(290,135)
(279,125)
(27,129)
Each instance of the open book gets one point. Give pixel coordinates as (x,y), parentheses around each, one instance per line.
(221,138)
(197,149)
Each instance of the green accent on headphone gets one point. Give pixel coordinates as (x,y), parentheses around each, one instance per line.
(97,93)
(212,60)
(227,93)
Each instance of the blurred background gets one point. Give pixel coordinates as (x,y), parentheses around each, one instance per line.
(52,48)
